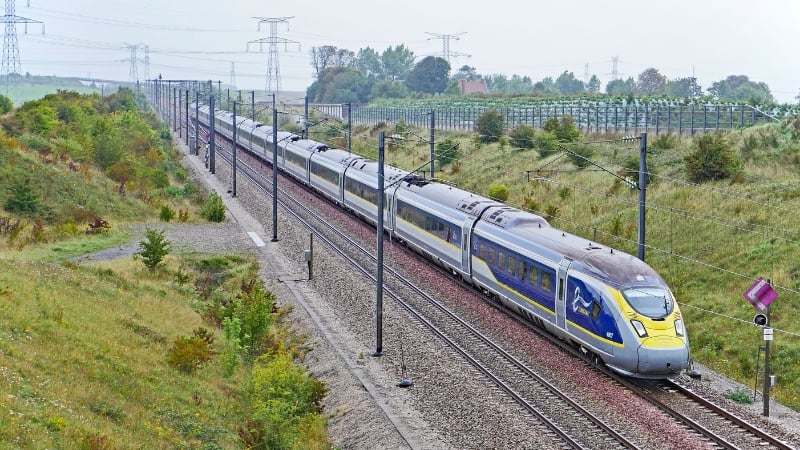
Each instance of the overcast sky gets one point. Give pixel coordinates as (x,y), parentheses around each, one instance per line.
(199,39)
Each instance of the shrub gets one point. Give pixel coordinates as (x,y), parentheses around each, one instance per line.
(523,137)
(713,159)
(214,209)
(153,249)
(23,199)
(189,353)
(447,152)
(490,126)
(286,402)
(546,144)
(253,309)
(580,155)
(166,214)
(498,192)
(564,130)
(664,142)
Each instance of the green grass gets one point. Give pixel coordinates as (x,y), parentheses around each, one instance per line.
(82,359)
(74,247)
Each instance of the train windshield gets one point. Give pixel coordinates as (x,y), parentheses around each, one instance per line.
(654,303)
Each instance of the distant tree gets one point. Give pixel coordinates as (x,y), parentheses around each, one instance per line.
(466,73)
(23,200)
(369,63)
(490,126)
(740,88)
(546,86)
(593,87)
(327,56)
(346,85)
(567,84)
(684,87)
(397,62)
(713,159)
(519,85)
(651,82)
(620,87)
(496,82)
(108,145)
(429,75)
(388,89)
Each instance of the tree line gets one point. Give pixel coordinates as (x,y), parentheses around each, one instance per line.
(344,76)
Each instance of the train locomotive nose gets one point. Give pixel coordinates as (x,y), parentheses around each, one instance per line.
(663,356)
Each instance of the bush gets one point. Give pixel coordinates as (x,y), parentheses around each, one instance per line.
(581,154)
(664,142)
(23,199)
(166,214)
(286,402)
(564,130)
(713,159)
(189,353)
(523,137)
(153,249)
(498,192)
(490,126)
(214,209)
(546,144)
(447,152)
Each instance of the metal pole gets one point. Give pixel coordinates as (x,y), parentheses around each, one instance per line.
(274,171)
(196,122)
(349,128)
(253,105)
(211,135)
(233,153)
(767,380)
(187,117)
(305,118)
(433,147)
(642,192)
(379,269)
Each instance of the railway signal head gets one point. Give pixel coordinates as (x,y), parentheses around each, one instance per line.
(760,320)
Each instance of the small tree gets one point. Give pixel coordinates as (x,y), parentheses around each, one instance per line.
(713,159)
(490,126)
(214,209)
(153,249)
(523,137)
(23,199)
(447,152)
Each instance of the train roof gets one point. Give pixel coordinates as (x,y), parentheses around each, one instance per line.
(617,267)
(336,156)
(369,168)
(447,195)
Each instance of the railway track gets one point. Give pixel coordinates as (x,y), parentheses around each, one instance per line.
(520,382)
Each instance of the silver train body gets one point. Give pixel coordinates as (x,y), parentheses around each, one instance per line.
(604,301)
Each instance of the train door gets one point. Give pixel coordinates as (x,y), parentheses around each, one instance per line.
(466,233)
(561,294)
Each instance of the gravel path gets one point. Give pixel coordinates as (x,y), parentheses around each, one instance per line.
(449,407)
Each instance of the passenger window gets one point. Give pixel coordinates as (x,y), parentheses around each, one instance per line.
(533,276)
(546,281)
(596,310)
(483,251)
(501,257)
(512,264)
(521,270)
(491,256)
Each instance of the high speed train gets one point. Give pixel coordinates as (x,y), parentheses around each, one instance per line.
(606,302)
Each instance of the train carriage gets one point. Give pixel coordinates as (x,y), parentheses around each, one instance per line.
(360,192)
(326,170)
(428,219)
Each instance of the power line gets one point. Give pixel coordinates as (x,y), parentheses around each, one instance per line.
(11,61)
(273,65)
(446,53)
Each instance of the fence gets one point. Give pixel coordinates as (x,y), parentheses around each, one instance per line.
(680,119)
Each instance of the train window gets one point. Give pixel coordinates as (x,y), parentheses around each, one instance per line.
(482,250)
(521,270)
(501,260)
(491,256)
(596,308)
(651,302)
(546,281)
(533,275)
(512,264)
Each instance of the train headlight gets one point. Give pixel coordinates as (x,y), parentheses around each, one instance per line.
(640,330)
(679,330)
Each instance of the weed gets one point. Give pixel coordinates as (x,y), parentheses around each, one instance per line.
(740,396)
